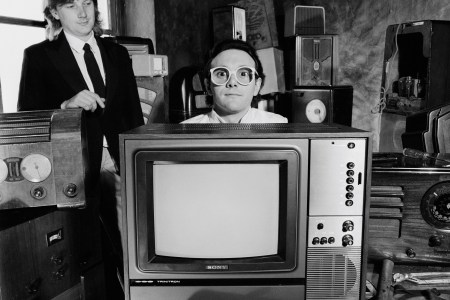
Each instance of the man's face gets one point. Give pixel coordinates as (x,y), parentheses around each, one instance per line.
(77,17)
(233,98)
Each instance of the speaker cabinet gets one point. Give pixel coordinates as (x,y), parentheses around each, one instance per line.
(301,19)
(312,60)
(319,104)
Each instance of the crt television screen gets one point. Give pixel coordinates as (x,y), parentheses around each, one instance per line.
(216,211)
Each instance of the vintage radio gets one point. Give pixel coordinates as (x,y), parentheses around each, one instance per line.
(41,159)
(304,242)
(312,60)
(409,210)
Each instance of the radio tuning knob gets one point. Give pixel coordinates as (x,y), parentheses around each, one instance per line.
(411,253)
(434,241)
(315,241)
(347,240)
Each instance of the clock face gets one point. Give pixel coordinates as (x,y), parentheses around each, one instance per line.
(316,111)
(35,167)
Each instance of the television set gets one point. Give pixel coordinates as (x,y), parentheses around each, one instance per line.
(244,211)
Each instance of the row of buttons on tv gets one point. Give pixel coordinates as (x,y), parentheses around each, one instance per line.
(347,240)
(350,181)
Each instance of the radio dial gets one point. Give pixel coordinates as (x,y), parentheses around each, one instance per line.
(35,167)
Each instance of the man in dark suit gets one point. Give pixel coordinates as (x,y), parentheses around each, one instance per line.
(75,68)
(54,76)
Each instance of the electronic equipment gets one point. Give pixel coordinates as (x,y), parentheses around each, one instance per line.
(134,45)
(229,22)
(428,130)
(416,52)
(312,60)
(322,104)
(304,20)
(42,159)
(409,210)
(150,65)
(236,210)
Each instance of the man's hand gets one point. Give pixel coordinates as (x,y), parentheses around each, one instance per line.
(86,100)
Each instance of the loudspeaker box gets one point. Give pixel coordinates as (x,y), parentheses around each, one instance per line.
(322,104)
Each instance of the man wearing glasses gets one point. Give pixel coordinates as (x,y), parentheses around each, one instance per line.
(234,76)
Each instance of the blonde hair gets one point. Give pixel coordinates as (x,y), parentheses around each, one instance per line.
(54,27)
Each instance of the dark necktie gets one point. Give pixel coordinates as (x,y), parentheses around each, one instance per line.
(94,71)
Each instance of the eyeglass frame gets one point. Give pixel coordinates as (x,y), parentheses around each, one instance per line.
(233,73)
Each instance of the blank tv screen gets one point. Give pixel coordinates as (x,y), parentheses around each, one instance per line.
(216,211)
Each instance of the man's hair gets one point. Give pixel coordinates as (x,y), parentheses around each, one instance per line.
(230,44)
(54,25)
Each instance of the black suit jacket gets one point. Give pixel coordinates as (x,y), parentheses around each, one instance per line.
(50,75)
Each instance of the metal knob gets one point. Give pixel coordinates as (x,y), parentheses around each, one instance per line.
(435,241)
(347,240)
(70,190)
(411,253)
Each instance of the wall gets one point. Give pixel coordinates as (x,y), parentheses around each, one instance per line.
(140,19)
(183,33)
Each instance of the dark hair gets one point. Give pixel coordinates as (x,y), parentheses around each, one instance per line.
(56,24)
(238,45)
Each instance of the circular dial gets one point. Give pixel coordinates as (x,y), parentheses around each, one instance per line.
(3,171)
(435,206)
(316,111)
(35,167)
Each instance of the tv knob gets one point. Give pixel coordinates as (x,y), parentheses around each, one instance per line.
(349,202)
(315,241)
(350,173)
(347,226)
(347,240)
(350,180)
(323,240)
(349,195)
(349,188)
(331,240)
(350,165)
(320,226)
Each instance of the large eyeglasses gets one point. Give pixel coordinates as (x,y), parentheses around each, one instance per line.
(221,75)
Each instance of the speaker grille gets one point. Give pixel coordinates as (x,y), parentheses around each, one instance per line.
(333,273)
(310,20)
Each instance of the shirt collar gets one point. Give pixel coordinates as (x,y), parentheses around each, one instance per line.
(218,119)
(77,44)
